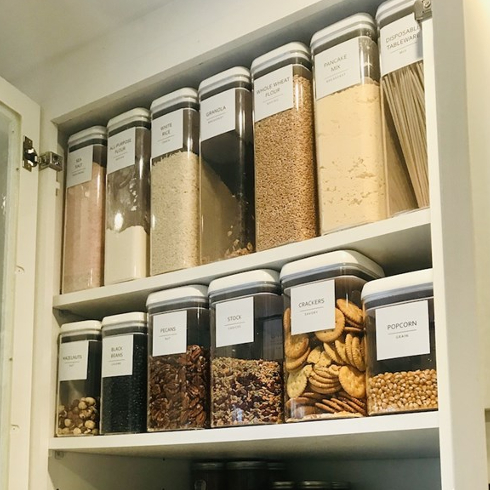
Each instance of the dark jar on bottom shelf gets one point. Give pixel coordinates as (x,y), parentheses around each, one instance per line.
(124,373)
(208,475)
(247,475)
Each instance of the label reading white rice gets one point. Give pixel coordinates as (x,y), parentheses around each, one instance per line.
(167,133)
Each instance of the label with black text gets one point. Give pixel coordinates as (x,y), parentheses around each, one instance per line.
(170,333)
(121,150)
(73,361)
(217,114)
(117,356)
(79,166)
(235,322)
(167,133)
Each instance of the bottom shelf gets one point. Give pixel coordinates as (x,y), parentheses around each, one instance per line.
(389,436)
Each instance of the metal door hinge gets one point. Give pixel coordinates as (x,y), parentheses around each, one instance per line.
(422,10)
(51,160)
(30,158)
(46,160)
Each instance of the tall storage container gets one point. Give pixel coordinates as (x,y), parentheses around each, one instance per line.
(83,246)
(175,223)
(227,165)
(246,349)
(285,174)
(128,197)
(178,361)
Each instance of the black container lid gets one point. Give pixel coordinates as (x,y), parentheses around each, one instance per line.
(314,484)
(283,485)
(340,485)
(208,466)
(246,465)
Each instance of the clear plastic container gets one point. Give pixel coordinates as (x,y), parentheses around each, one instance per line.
(127,235)
(401,350)
(227,166)
(324,335)
(348,125)
(402,85)
(285,172)
(247,475)
(124,374)
(175,225)
(83,246)
(178,361)
(78,394)
(246,349)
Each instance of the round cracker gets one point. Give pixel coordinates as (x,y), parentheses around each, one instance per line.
(295,345)
(315,354)
(333,354)
(286,320)
(353,381)
(293,364)
(351,311)
(357,356)
(340,348)
(330,335)
(296,383)
(348,349)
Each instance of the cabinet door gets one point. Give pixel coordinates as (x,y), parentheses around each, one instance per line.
(19,117)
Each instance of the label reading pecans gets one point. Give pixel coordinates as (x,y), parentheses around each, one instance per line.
(235,322)
(170,333)
(73,361)
(117,356)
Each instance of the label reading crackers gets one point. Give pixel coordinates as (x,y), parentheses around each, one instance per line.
(313,307)
(402,330)
(235,322)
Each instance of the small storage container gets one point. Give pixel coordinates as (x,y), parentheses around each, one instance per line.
(175,225)
(83,246)
(348,127)
(127,232)
(227,165)
(401,351)
(285,180)
(208,475)
(247,475)
(313,485)
(79,360)
(246,349)
(402,84)
(178,361)
(324,335)
(124,373)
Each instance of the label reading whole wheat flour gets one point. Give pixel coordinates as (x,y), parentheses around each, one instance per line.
(121,150)
(117,356)
(337,68)
(79,166)
(167,133)
(170,333)
(73,361)
(313,307)
(400,44)
(235,322)
(402,330)
(217,114)
(273,93)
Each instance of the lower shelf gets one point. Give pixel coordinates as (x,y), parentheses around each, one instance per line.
(389,436)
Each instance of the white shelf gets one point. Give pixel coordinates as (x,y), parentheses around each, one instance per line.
(399,244)
(390,436)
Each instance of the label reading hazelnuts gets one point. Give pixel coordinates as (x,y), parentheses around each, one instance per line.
(235,322)
(170,333)
(73,361)
(217,114)
(313,307)
(117,356)
(402,330)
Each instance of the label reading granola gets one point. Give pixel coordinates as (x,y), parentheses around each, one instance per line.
(313,307)
(235,322)
(170,333)
(217,114)
(73,361)
(117,356)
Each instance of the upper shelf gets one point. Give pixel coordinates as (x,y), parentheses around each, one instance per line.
(399,244)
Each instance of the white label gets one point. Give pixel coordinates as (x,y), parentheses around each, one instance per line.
(79,167)
(235,322)
(402,330)
(73,361)
(273,93)
(400,44)
(117,356)
(167,133)
(313,307)
(337,68)
(170,333)
(217,114)
(121,150)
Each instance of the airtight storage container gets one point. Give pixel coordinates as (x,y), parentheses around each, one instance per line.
(401,352)
(124,373)
(227,165)
(83,246)
(285,180)
(128,197)
(79,360)
(178,361)
(246,349)
(348,127)
(324,331)
(175,225)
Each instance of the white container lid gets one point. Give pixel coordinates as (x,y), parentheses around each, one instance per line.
(329,261)
(134,115)
(186,94)
(95,132)
(236,74)
(124,318)
(346,26)
(76,327)
(388,285)
(243,280)
(176,294)
(295,49)
(387,9)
